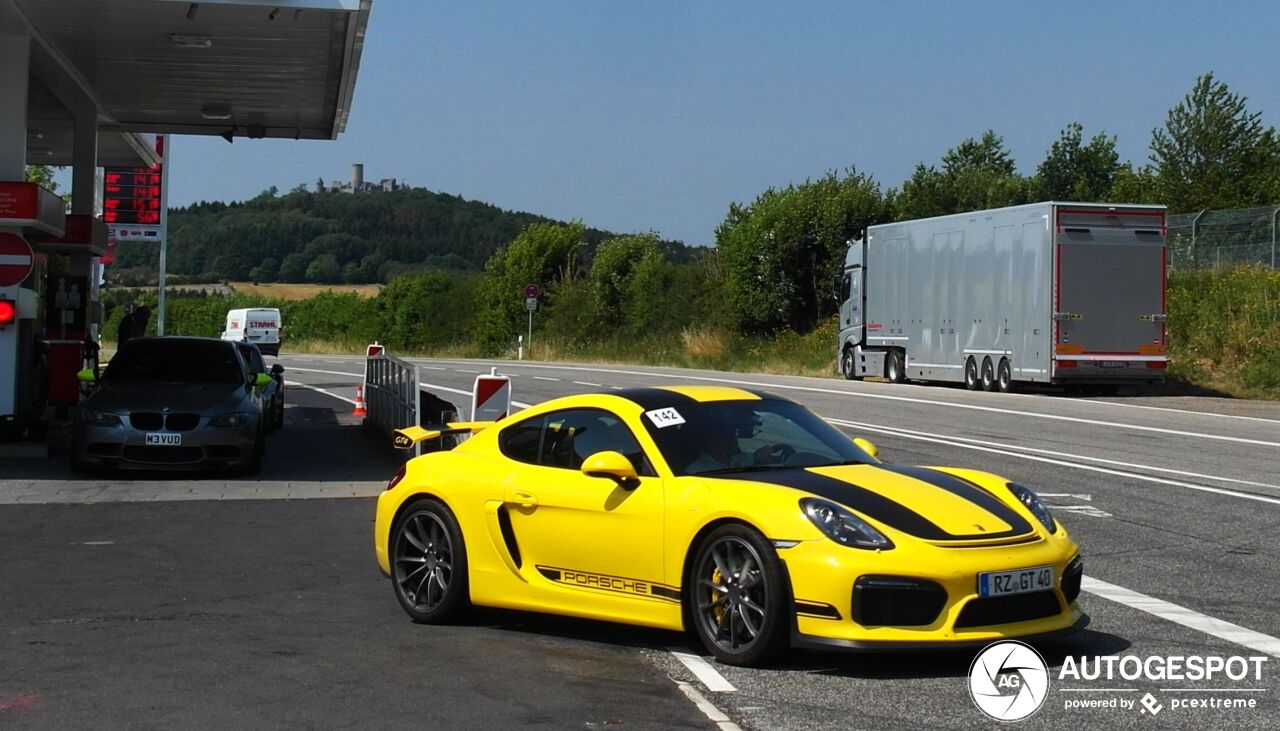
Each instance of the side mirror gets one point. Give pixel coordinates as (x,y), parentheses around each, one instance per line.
(86,376)
(612,465)
(277,369)
(867,447)
(836,286)
(262,379)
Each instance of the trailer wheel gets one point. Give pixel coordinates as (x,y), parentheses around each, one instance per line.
(971,374)
(1004,376)
(988,375)
(847,366)
(893,367)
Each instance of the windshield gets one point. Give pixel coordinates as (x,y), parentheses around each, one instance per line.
(735,436)
(175,361)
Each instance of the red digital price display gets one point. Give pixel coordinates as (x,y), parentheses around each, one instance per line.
(131,196)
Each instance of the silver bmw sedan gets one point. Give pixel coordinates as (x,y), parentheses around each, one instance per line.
(172,403)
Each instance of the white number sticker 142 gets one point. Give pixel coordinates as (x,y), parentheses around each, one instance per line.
(663,418)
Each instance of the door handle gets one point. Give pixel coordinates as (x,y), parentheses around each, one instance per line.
(524,499)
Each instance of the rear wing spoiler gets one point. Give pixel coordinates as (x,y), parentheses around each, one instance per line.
(410,435)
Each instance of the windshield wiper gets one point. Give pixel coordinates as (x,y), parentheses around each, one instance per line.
(751,468)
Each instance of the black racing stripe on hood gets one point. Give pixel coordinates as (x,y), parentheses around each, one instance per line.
(654,398)
(868,503)
(969,491)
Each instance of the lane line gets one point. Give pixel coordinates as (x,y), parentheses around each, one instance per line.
(1180,411)
(1219,628)
(544,378)
(713,714)
(321,390)
(588,383)
(703,671)
(1047,460)
(1070,455)
(930,402)
(463,370)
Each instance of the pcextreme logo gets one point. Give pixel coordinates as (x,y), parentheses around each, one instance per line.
(1008,681)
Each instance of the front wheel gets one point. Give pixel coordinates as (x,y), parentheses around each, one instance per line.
(738,596)
(429,563)
(847,367)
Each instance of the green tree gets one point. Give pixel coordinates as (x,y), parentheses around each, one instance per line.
(41,175)
(294,268)
(1072,171)
(975,174)
(543,254)
(267,271)
(781,252)
(1212,151)
(324,270)
(611,271)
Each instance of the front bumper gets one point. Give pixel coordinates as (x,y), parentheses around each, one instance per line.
(203,447)
(830,613)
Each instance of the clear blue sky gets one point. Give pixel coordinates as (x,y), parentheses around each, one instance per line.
(635,116)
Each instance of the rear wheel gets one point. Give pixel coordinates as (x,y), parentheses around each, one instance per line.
(988,375)
(738,594)
(429,563)
(894,368)
(1004,376)
(971,374)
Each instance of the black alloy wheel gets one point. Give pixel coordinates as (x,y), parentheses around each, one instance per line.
(429,563)
(971,374)
(1004,376)
(738,596)
(988,375)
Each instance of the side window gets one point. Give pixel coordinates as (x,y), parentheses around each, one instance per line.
(522,441)
(846,287)
(572,436)
(245,361)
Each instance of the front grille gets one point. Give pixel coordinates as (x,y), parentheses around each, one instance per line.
(1071,579)
(1007,609)
(147,421)
(181,422)
(896,601)
(164,455)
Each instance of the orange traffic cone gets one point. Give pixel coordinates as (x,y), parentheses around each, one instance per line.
(360,410)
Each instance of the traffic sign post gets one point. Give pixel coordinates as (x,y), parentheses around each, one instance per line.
(531,294)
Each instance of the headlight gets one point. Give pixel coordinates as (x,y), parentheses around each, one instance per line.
(228,420)
(1028,497)
(101,418)
(842,526)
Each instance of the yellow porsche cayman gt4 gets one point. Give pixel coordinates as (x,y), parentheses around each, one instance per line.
(737,515)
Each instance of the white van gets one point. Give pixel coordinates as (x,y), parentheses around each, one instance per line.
(260,326)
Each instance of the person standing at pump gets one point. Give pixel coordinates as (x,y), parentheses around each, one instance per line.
(134,325)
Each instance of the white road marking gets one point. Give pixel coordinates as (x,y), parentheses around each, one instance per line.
(1075,495)
(715,715)
(360,376)
(703,671)
(97,543)
(317,388)
(908,399)
(432,368)
(1178,411)
(588,383)
(921,436)
(1219,628)
(544,378)
(1088,510)
(463,370)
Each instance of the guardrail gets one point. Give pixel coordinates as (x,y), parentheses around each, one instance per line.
(392,395)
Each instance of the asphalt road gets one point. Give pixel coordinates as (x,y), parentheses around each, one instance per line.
(179,601)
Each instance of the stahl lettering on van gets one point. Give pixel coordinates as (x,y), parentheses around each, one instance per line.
(260,326)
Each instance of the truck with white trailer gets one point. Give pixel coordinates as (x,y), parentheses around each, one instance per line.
(1047,293)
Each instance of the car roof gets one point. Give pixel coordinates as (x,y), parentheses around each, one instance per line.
(662,397)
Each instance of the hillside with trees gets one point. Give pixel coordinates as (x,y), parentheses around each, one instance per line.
(330,237)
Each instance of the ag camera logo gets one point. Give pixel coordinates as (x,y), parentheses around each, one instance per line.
(1008,681)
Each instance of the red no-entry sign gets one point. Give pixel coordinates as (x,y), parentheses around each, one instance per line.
(16,259)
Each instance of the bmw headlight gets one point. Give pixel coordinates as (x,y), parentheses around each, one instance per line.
(1028,497)
(101,418)
(842,526)
(229,420)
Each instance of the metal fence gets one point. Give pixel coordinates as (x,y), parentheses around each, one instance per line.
(1224,238)
(392,395)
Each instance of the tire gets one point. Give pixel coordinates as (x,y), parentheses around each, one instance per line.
(988,375)
(971,381)
(894,368)
(259,452)
(429,563)
(742,618)
(1004,376)
(847,366)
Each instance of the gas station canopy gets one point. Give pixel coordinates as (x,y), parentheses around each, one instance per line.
(235,68)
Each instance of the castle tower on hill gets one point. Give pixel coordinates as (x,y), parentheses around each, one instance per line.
(357,183)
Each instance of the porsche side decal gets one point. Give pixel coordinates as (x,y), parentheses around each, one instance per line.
(605,582)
